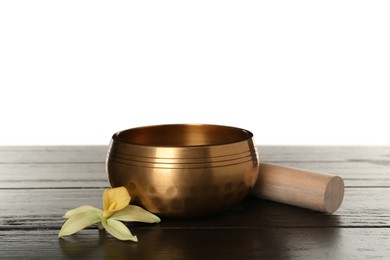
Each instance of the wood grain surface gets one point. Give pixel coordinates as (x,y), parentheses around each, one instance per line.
(38,184)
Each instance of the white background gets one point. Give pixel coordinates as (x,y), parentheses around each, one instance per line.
(292,72)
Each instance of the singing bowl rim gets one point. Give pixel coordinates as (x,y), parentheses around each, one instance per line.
(242,142)
(245,134)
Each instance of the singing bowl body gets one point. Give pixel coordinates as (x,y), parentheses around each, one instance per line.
(183,170)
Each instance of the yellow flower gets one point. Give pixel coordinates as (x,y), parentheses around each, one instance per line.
(114,200)
(116,208)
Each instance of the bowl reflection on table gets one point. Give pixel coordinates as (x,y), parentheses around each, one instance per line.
(183,170)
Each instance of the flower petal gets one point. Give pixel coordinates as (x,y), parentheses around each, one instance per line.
(118,230)
(114,200)
(81,209)
(78,222)
(135,213)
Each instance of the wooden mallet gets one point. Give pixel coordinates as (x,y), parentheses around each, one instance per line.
(311,190)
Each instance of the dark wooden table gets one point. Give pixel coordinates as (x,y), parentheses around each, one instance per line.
(39,184)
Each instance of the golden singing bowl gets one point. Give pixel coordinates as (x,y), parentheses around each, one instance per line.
(183,170)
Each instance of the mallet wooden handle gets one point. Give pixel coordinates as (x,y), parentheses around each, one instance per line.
(312,190)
